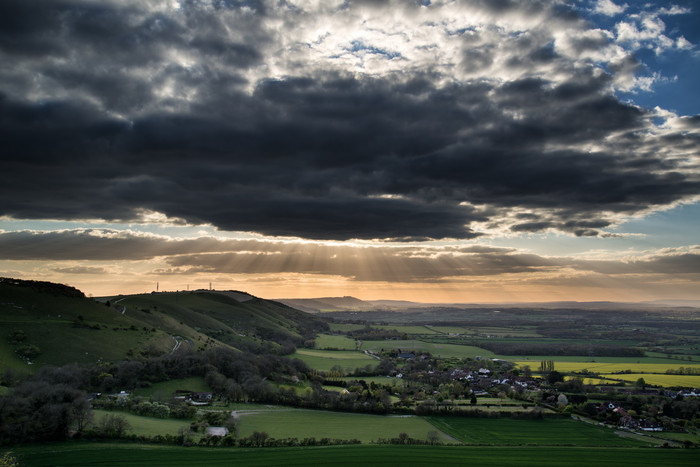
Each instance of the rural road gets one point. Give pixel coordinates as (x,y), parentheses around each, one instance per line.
(123,308)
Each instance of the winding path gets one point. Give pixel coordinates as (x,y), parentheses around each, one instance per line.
(177,344)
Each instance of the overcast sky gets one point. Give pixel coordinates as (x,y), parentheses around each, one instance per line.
(476,150)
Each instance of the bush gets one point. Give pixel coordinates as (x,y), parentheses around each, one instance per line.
(28,351)
(113,426)
(17,337)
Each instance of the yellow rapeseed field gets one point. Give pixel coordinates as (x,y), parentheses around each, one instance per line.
(609,368)
(692,381)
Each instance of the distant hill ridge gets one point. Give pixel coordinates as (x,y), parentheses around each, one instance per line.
(347,303)
(315,305)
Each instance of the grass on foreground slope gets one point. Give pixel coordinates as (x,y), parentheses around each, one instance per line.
(547,431)
(84,455)
(68,327)
(299,423)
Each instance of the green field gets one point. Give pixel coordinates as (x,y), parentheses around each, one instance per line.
(391,381)
(407,329)
(326,341)
(148,426)
(515,338)
(524,331)
(466,406)
(8,357)
(324,360)
(104,454)
(693,437)
(461,330)
(252,406)
(680,353)
(345,327)
(499,332)
(442,350)
(494,404)
(300,423)
(547,431)
(493,332)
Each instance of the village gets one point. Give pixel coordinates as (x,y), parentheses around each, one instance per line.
(405,382)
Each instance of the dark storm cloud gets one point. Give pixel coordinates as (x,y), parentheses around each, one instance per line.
(416,265)
(113,108)
(109,245)
(101,245)
(669,263)
(376,266)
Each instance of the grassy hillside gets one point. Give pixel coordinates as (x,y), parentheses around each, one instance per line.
(221,317)
(55,325)
(43,323)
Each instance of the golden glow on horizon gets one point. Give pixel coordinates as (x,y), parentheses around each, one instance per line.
(432,272)
(510,288)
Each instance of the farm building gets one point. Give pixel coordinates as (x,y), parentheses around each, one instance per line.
(217,431)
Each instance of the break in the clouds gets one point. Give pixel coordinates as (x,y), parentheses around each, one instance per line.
(339,119)
(355,262)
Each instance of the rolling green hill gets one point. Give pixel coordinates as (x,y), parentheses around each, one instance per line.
(238,320)
(43,323)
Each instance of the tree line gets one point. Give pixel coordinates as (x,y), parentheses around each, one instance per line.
(520,348)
